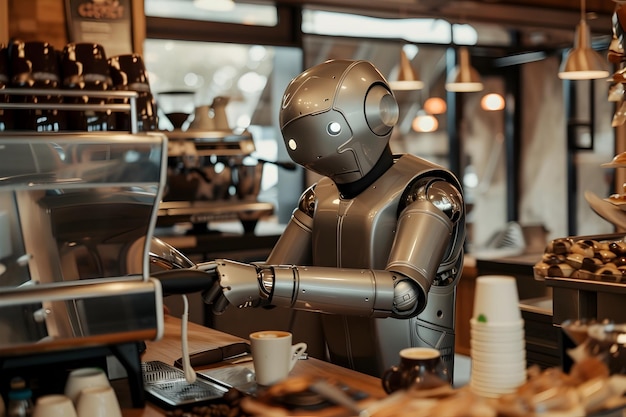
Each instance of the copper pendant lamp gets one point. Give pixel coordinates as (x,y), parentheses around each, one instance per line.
(407,76)
(464,78)
(582,62)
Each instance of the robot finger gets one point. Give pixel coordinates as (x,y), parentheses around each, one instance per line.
(209,296)
(219,306)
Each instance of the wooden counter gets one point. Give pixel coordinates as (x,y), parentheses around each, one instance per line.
(168,349)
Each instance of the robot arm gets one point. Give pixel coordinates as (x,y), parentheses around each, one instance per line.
(322,289)
(424,243)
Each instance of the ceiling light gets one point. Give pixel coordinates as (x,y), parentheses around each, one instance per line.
(492,102)
(407,76)
(464,78)
(435,105)
(583,63)
(424,122)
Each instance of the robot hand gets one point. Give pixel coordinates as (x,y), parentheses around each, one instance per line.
(240,284)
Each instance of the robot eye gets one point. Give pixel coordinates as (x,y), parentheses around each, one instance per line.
(333,128)
(292,144)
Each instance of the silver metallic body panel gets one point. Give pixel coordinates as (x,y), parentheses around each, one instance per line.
(378,236)
(368,233)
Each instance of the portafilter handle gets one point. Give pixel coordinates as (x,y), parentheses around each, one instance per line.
(185,281)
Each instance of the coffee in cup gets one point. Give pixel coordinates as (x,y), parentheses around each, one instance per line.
(420,368)
(273,355)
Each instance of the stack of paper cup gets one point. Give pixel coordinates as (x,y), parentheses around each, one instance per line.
(498,350)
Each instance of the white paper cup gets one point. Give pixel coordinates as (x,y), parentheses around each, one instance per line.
(493,390)
(496,339)
(499,368)
(494,375)
(82,378)
(487,393)
(498,357)
(486,382)
(98,402)
(496,299)
(504,327)
(54,405)
(511,346)
(273,355)
(498,386)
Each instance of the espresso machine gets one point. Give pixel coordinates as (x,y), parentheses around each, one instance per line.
(212,176)
(76,213)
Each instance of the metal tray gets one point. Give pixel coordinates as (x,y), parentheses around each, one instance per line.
(167,385)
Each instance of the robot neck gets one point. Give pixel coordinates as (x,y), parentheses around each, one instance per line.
(352,189)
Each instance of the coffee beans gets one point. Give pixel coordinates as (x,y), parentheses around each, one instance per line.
(229,407)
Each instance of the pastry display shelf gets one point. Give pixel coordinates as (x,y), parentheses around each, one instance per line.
(575,298)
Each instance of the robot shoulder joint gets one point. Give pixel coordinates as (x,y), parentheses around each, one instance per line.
(308,201)
(445,194)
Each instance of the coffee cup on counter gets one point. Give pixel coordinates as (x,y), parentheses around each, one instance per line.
(82,378)
(496,300)
(274,355)
(54,405)
(98,402)
(420,368)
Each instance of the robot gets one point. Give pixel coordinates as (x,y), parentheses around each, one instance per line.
(376,245)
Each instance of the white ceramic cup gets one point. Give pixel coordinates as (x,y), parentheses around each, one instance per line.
(82,378)
(273,355)
(98,402)
(496,299)
(54,405)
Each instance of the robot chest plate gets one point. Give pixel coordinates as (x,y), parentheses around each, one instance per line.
(356,233)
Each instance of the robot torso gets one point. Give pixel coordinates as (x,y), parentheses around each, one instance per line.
(360,232)
(363,233)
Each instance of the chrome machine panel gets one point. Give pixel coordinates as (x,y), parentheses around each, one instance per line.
(76,211)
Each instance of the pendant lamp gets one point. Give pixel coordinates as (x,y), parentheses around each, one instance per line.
(424,122)
(464,78)
(407,76)
(582,62)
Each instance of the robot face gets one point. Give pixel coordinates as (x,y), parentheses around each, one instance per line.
(337,117)
(321,143)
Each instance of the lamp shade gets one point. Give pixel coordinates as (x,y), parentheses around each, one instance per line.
(407,76)
(464,78)
(583,63)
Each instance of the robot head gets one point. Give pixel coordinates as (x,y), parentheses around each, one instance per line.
(336,119)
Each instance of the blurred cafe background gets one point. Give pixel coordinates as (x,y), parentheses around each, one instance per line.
(527,144)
